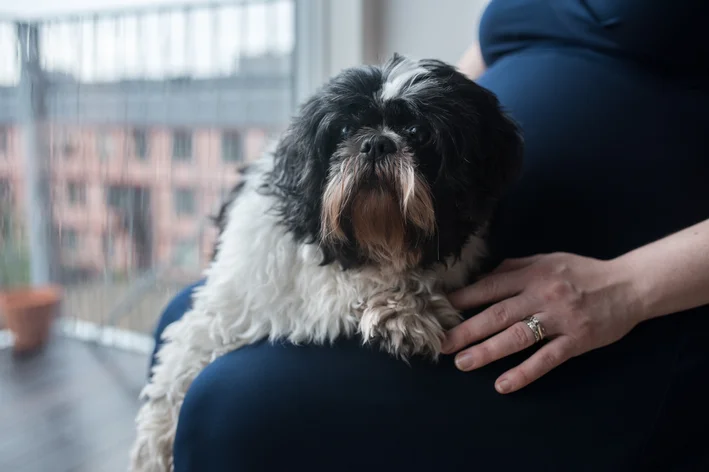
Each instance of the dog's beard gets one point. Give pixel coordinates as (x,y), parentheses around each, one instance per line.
(385,206)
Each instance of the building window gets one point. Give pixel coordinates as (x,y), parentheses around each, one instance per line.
(187,254)
(185,202)
(4,145)
(232,147)
(70,239)
(104,145)
(182,145)
(109,245)
(140,144)
(64,144)
(76,193)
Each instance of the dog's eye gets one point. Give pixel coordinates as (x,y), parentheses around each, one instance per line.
(345,132)
(418,133)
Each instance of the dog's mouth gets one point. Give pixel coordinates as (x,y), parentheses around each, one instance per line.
(374,175)
(383,207)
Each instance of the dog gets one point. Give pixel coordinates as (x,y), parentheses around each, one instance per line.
(373,205)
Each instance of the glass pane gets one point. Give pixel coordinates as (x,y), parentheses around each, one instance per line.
(149,114)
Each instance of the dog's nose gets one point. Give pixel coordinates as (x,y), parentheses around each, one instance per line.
(378,147)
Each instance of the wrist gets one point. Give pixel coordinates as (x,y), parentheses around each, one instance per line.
(635,287)
(670,275)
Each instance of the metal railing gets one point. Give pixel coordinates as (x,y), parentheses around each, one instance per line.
(119,134)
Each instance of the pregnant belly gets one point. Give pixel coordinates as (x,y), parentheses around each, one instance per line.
(614,157)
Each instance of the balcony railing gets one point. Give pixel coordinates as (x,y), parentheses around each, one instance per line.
(120,132)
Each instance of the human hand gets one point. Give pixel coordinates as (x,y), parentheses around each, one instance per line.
(581,303)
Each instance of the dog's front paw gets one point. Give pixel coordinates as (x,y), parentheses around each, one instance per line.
(408,325)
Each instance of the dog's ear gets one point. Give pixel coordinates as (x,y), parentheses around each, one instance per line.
(299,172)
(496,141)
(501,145)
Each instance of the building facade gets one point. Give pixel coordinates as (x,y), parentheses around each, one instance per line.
(137,168)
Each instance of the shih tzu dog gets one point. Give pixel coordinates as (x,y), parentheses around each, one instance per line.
(371,207)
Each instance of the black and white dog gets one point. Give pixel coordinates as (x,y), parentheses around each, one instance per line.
(372,206)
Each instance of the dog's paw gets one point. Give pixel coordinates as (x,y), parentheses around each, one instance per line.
(408,325)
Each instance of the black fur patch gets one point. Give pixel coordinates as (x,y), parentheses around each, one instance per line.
(220,219)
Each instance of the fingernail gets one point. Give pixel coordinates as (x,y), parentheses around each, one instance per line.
(464,362)
(503,386)
(446,346)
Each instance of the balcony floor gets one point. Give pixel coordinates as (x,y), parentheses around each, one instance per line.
(69,408)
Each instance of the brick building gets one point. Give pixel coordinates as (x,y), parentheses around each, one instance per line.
(137,167)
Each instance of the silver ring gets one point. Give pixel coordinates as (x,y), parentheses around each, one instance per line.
(536,327)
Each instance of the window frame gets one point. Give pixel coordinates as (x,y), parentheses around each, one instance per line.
(189,134)
(144,132)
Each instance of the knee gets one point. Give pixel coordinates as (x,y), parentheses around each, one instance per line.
(197,437)
(212,425)
(175,309)
(237,415)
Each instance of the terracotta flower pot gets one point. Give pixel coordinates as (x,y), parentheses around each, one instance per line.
(29,314)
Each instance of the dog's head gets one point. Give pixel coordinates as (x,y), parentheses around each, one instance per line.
(395,166)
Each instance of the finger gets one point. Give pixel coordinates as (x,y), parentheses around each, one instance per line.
(540,363)
(489,289)
(508,265)
(488,322)
(514,339)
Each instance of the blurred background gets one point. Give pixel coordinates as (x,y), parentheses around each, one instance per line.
(122,126)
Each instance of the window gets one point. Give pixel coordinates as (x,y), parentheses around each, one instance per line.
(4,191)
(116,196)
(5,210)
(140,144)
(3,141)
(108,245)
(182,145)
(184,202)
(187,254)
(104,145)
(64,145)
(70,239)
(76,193)
(232,150)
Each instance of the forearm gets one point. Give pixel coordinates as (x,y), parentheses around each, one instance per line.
(669,275)
(471,63)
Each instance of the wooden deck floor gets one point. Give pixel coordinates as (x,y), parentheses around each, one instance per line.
(69,408)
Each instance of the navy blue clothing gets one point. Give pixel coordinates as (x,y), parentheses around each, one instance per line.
(612,96)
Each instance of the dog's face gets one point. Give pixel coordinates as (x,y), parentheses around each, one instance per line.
(395,166)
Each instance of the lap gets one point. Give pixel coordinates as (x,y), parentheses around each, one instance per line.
(267,407)
(347,407)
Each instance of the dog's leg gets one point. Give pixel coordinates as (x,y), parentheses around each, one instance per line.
(176,368)
(408,322)
(189,347)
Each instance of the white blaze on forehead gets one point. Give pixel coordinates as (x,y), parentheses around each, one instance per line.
(399,79)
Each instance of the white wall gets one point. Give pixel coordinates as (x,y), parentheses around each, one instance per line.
(440,29)
(334,34)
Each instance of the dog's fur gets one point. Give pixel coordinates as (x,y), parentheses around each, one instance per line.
(373,205)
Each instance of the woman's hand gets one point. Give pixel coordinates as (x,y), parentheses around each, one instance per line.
(581,303)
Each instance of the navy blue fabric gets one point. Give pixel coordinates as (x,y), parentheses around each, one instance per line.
(178,306)
(612,96)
